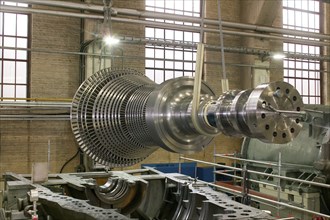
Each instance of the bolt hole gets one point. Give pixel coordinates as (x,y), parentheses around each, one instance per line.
(292,130)
(297,120)
(264,104)
(263,115)
(267,127)
(238,207)
(274,134)
(298,109)
(287,91)
(294,98)
(278,88)
(284,135)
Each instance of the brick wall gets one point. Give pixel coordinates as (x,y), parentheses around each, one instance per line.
(53,75)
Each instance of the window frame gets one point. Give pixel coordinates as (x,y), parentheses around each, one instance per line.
(15,59)
(157,62)
(304,74)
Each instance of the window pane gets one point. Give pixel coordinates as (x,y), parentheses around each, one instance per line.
(150,63)
(1,22)
(178,65)
(159,64)
(22,5)
(150,74)
(150,32)
(169,4)
(178,35)
(169,75)
(9,71)
(169,64)
(169,54)
(188,66)
(196,37)
(22,27)
(9,91)
(178,55)
(313,87)
(178,74)
(10,3)
(150,53)
(21,72)
(188,55)
(159,33)
(20,91)
(159,76)
(10,24)
(159,53)
(305,99)
(188,36)
(9,54)
(169,34)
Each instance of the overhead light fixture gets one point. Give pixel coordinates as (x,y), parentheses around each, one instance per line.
(110,40)
(106,29)
(278,56)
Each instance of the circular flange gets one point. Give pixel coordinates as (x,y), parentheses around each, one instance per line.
(267,124)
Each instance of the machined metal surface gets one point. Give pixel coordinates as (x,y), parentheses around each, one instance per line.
(270,127)
(123,192)
(119,116)
(165,196)
(255,113)
(169,119)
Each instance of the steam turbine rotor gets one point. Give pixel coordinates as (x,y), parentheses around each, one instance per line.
(119,117)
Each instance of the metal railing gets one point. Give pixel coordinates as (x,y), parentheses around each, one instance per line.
(255,197)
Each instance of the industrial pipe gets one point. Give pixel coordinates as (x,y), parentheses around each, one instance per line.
(158,24)
(159,15)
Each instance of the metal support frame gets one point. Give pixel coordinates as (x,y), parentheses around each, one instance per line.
(166,196)
(260,173)
(264,200)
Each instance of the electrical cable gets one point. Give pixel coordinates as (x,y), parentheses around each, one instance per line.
(67,162)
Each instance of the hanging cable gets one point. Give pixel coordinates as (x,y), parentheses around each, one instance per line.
(224,74)
(202,21)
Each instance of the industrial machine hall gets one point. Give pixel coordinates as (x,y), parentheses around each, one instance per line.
(164,109)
